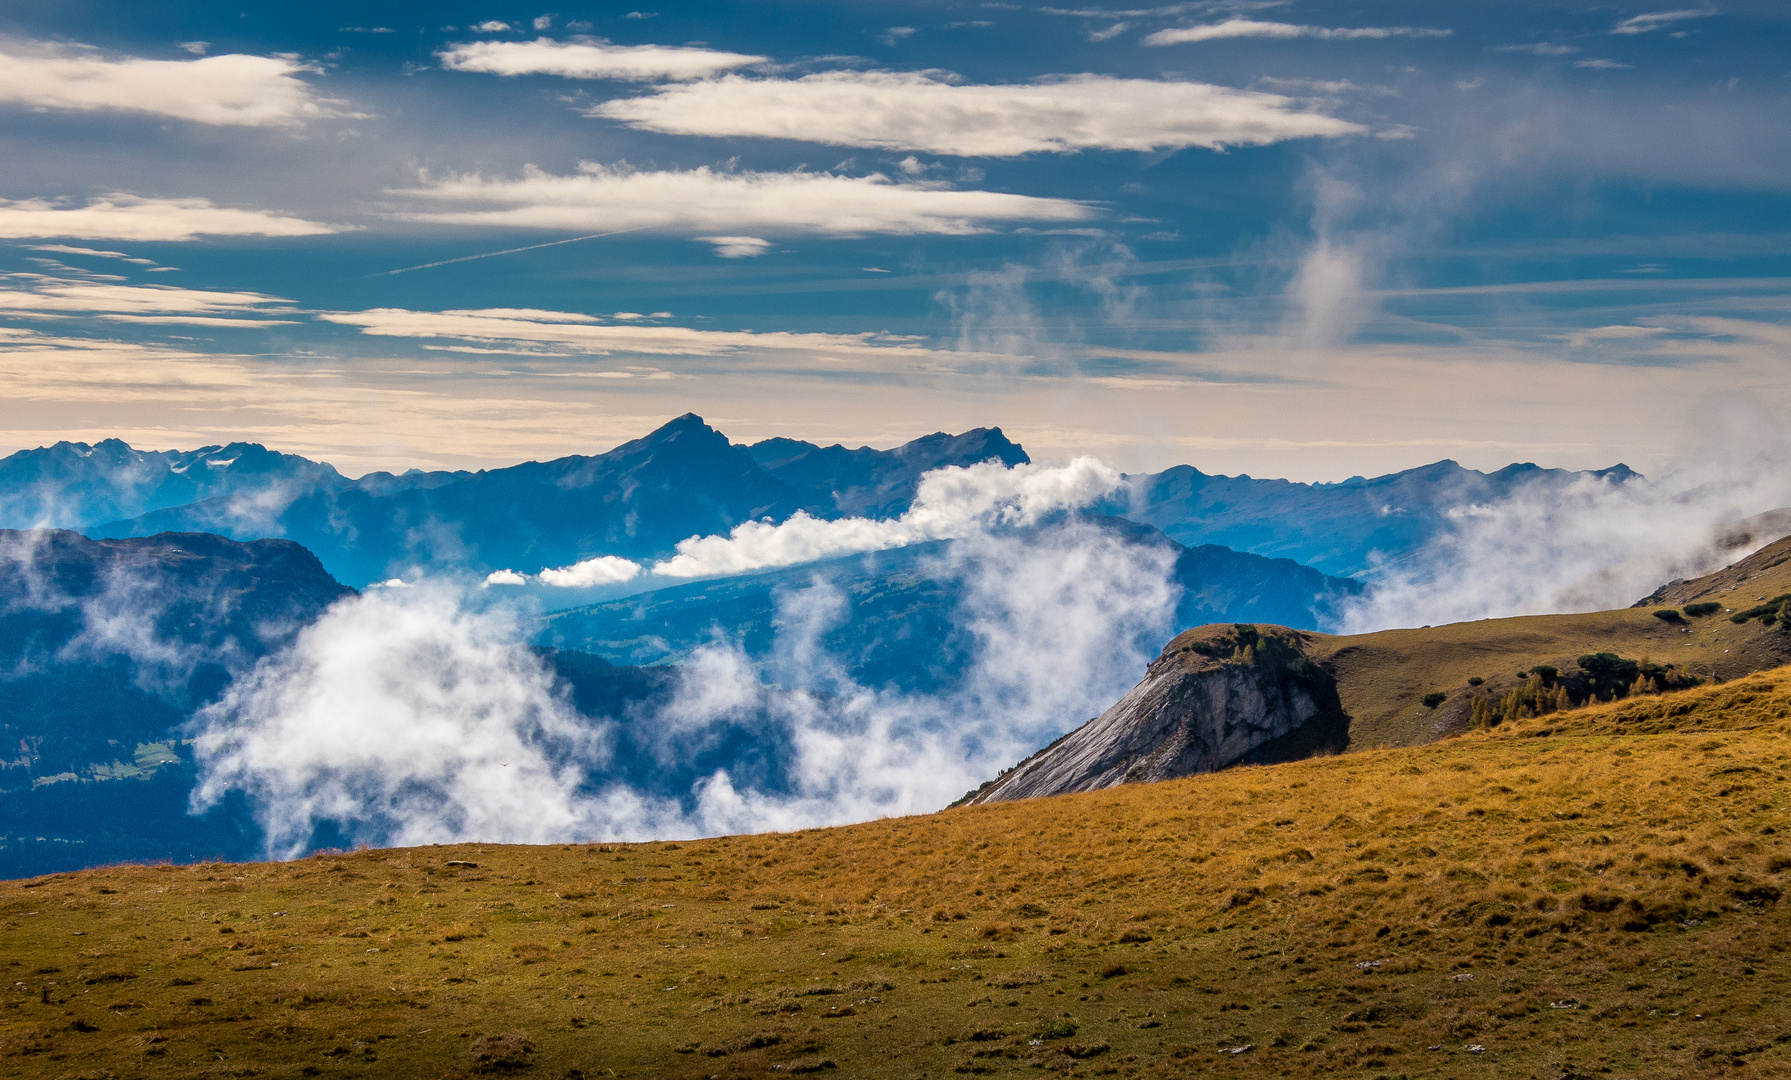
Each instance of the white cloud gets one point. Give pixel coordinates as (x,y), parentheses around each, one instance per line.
(31,294)
(897,34)
(469,741)
(603,570)
(233,89)
(568,333)
(1541,48)
(1642,24)
(129,217)
(477,743)
(703,201)
(914,111)
(95,253)
(542,22)
(591,59)
(491,26)
(1602,65)
(952,502)
(737,247)
(1590,545)
(197,48)
(1252,28)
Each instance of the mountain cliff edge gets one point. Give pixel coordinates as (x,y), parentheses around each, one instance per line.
(1217,696)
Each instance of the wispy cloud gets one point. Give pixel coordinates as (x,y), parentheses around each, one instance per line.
(130,217)
(30,294)
(914,111)
(228,90)
(1252,28)
(571,333)
(591,59)
(1602,65)
(1643,24)
(93,253)
(706,201)
(1540,48)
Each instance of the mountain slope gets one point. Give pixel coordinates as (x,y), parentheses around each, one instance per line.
(1219,696)
(106,647)
(1333,527)
(901,626)
(1605,896)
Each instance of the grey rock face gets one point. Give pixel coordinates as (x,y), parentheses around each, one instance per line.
(1216,697)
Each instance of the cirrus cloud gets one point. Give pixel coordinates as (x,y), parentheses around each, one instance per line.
(562,333)
(918,111)
(130,217)
(31,295)
(1243,28)
(1654,20)
(591,59)
(228,90)
(727,205)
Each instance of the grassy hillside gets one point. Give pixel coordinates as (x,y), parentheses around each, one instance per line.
(1592,893)
(1382,678)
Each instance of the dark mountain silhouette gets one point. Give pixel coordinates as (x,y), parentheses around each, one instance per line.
(1333,527)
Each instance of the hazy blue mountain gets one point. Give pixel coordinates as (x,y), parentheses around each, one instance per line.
(900,627)
(836,482)
(637,500)
(1333,527)
(106,648)
(70,485)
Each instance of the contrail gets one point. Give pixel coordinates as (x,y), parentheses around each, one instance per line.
(508,251)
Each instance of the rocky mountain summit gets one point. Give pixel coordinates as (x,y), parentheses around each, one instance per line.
(1217,696)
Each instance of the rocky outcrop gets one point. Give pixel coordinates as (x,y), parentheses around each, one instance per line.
(1217,696)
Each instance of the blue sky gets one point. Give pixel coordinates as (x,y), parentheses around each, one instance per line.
(1286,239)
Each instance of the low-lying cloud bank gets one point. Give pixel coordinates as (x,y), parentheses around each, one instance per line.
(951,503)
(405,716)
(1591,545)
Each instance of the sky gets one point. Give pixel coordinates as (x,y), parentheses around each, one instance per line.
(1277,238)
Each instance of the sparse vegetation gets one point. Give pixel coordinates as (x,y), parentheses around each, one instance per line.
(1434,698)
(1594,889)
(1772,611)
(1702,608)
(1668,614)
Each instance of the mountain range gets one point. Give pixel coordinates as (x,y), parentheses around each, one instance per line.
(687,479)
(1340,528)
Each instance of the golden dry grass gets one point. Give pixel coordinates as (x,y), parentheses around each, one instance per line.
(1602,899)
(1383,677)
